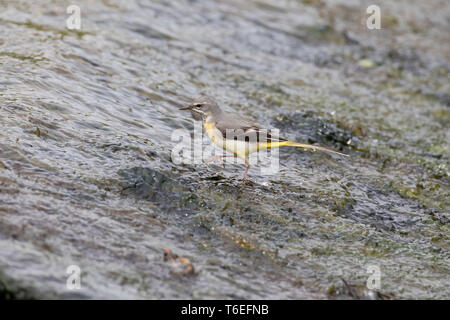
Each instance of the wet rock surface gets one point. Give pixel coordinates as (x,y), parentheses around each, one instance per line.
(87,178)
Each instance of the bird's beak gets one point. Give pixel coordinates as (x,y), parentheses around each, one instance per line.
(187,107)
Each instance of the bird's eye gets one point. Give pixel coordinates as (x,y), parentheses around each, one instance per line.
(198,105)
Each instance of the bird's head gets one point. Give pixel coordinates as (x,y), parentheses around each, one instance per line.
(202,108)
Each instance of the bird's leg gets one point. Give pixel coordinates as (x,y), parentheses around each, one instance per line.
(247,166)
(218,158)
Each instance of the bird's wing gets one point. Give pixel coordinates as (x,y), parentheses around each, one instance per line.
(246,131)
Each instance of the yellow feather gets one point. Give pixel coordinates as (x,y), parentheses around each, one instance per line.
(279,144)
(209,125)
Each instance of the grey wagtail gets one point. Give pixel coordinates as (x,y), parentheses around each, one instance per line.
(238,136)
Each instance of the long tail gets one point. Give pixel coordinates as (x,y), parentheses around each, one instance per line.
(302,145)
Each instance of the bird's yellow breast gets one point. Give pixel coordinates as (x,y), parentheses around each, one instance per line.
(211,130)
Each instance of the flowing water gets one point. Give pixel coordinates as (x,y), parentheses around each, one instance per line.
(86,124)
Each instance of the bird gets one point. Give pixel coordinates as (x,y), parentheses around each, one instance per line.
(239,136)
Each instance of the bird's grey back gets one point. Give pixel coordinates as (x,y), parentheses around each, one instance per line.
(225,120)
